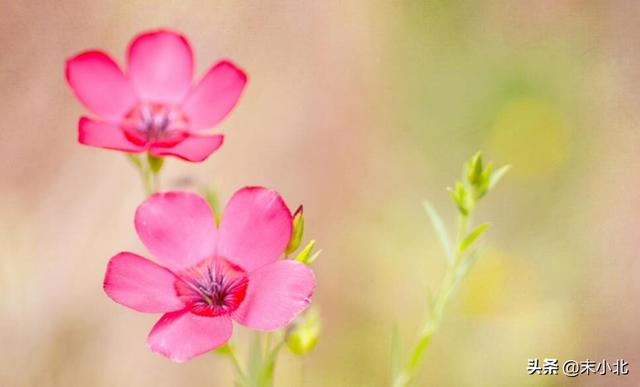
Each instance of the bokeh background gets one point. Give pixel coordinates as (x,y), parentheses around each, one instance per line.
(359,110)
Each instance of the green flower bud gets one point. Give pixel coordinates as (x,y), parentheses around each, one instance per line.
(474,170)
(460,197)
(303,336)
(297,232)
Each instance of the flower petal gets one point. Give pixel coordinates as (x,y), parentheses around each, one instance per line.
(255,228)
(277,293)
(140,284)
(178,228)
(160,66)
(183,335)
(193,148)
(104,135)
(100,85)
(215,95)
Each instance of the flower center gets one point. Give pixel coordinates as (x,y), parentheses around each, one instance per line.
(155,123)
(213,287)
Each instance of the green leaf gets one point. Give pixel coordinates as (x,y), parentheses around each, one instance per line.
(305,256)
(497,175)
(135,160)
(155,163)
(313,258)
(396,353)
(473,236)
(441,231)
(211,197)
(298,231)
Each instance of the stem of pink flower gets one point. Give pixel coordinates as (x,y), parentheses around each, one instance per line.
(236,362)
(149,171)
(267,345)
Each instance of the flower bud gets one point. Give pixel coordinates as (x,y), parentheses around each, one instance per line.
(474,170)
(460,197)
(297,232)
(303,336)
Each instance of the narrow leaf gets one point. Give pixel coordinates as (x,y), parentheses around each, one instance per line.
(298,231)
(441,231)
(305,256)
(473,236)
(211,197)
(497,175)
(312,258)
(134,159)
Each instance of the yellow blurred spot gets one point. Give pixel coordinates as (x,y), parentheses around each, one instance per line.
(530,135)
(484,288)
(500,283)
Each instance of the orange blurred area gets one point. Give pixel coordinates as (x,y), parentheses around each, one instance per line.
(360,110)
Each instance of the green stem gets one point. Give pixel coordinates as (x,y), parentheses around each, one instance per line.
(150,178)
(267,345)
(438,306)
(147,180)
(236,363)
(155,181)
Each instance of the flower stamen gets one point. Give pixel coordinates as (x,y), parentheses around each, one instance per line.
(213,287)
(149,123)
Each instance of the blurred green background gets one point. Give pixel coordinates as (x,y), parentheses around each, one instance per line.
(359,110)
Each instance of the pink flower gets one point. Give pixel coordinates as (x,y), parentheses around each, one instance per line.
(211,275)
(153,107)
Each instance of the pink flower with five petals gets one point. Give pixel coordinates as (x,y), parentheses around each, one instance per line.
(211,275)
(153,107)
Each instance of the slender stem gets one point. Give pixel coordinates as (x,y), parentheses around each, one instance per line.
(148,183)
(267,345)
(236,363)
(150,179)
(463,226)
(432,322)
(155,180)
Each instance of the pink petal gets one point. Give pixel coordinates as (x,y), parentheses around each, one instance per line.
(255,228)
(140,284)
(183,335)
(104,135)
(177,228)
(160,66)
(100,85)
(277,293)
(214,97)
(193,148)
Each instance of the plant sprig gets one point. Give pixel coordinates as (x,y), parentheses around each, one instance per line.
(477,181)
